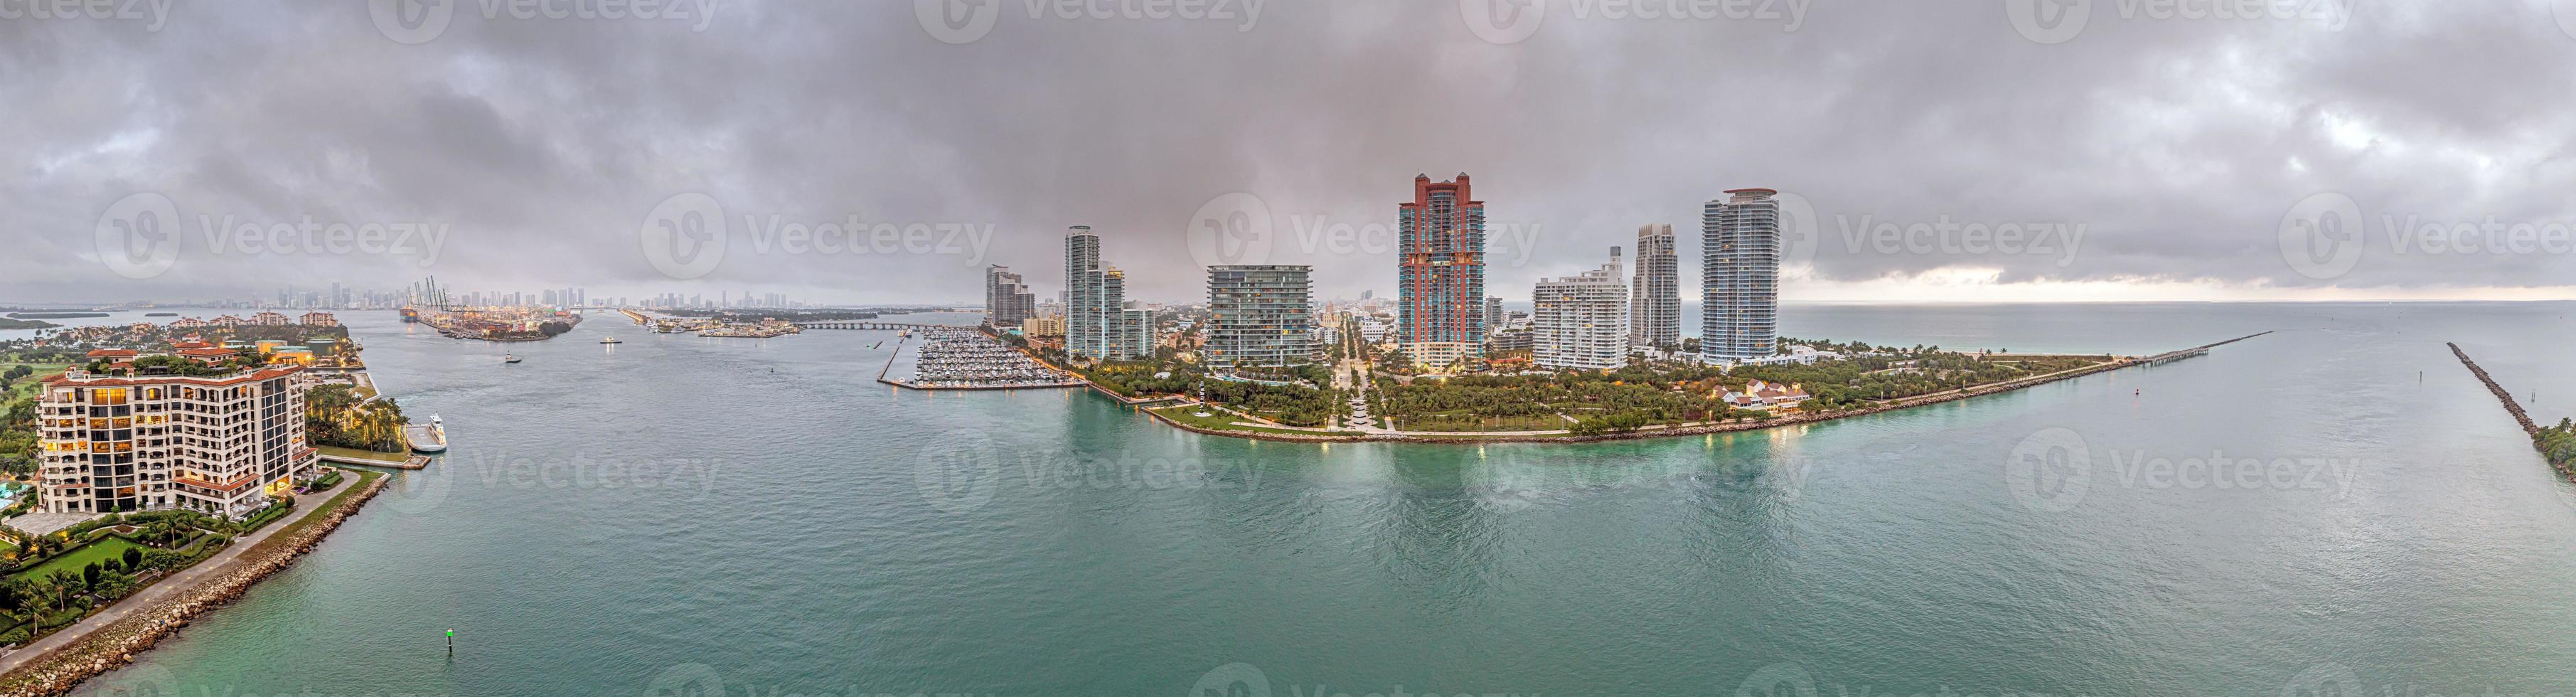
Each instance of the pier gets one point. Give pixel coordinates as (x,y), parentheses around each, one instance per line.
(875,325)
(2565,468)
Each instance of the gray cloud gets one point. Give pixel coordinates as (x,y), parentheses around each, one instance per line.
(542,144)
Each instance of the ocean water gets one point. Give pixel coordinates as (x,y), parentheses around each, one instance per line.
(2334,508)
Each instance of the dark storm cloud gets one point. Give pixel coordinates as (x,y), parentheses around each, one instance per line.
(2159,142)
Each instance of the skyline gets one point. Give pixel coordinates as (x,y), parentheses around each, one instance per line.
(2174,151)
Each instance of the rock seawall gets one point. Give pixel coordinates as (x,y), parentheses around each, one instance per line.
(113,646)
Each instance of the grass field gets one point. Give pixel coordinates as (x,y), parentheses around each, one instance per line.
(109,547)
(1217,420)
(354,453)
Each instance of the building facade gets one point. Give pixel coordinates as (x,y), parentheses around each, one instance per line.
(1581,321)
(1655,292)
(1440,267)
(1261,316)
(1007,300)
(1098,323)
(1740,276)
(221,445)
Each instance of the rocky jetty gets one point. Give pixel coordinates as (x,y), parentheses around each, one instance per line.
(113,646)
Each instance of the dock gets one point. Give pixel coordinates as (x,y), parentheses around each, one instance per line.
(361,458)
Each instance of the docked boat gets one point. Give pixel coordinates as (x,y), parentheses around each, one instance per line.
(431,438)
(509,358)
(610,340)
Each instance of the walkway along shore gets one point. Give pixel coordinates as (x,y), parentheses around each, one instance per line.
(1676,431)
(107,641)
(2511,407)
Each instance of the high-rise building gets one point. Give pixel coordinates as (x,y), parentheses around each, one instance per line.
(1493,314)
(1740,276)
(1261,316)
(220,444)
(1007,300)
(1098,324)
(1654,296)
(1581,321)
(1440,272)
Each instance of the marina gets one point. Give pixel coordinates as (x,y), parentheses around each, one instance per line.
(963,359)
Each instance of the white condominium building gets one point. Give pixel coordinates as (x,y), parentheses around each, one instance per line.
(1581,321)
(222,445)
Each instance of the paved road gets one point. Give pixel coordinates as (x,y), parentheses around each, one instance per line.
(223,562)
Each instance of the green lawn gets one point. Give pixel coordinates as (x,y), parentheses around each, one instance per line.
(337,451)
(109,547)
(1218,420)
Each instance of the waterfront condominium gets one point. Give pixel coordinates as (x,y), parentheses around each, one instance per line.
(1261,316)
(1007,300)
(1581,321)
(1655,296)
(1098,324)
(1739,276)
(221,444)
(1440,267)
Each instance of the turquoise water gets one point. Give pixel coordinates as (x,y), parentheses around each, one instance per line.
(626,519)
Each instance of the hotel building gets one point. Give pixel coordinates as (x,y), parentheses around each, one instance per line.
(1261,316)
(221,445)
(1655,296)
(1098,324)
(1739,276)
(1581,321)
(1440,267)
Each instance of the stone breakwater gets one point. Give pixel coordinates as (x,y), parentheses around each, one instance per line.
(113,646)
(2512,407)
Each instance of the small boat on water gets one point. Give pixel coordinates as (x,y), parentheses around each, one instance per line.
(509,358)
(610,340)
(431,438)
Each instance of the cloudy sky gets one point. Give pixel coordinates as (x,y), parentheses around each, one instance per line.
(883,151)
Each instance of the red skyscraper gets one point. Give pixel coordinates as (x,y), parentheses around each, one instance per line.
(1440,269)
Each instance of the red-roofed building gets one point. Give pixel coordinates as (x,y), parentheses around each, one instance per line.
(320,319)
(187,323)
(209,355)
(268,319)
(118,354)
